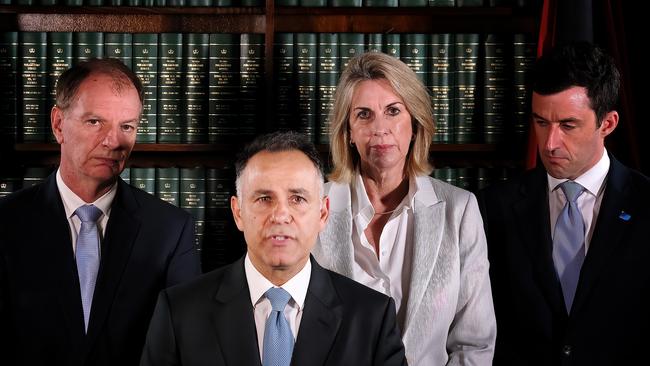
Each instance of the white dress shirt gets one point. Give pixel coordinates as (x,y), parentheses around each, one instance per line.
(593,180)
(258,285)
(71,202)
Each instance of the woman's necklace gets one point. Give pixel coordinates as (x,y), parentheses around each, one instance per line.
(386,212)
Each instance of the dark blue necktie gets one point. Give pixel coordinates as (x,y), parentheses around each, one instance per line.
(568,242)
(278,339)
(87,256)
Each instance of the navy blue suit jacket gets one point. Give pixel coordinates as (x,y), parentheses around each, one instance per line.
(147,246)
(609,323)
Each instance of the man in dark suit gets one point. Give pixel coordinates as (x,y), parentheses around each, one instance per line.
(228,317)
(568,242)
(83,255)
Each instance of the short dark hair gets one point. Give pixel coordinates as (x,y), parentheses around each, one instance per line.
(278,142)
(68,83)
(579,64)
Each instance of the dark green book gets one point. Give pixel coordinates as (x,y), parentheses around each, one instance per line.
(145,65)
(137,3)
(34,175)
(328,76)
(119,46)
(306,51)
(483,177)
(285,83)
(175,3)
(199,2)
(374,42)
(218,217)
(8,185)
(313,3)
(26,2)
(88,45)
(223,3)
(466,178)
(496,83)
(446,174)
(72,2)
(116,2)
(468,3)
(440,81)
(192,199)
(168,185)
(346,3)
(414,54)
(223,88)
(94,2)
(158,3)
(414,3)
(144,179)
(465,93)
(59,59)
(35,96)
(170,87)
(251,84)
(286,3)
(9,87)
(524,51)
(46,2)
(442,3)
(197,64)
(380,3)
(350,45)
(393,45)
(252,2)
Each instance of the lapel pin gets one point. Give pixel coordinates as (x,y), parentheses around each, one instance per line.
(624,216)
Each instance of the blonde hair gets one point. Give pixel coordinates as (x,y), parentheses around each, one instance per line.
(374,66)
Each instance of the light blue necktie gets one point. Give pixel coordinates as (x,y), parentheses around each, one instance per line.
(568,242)
(87,255)
(278,339)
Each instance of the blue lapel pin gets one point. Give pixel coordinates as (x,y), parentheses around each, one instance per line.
(624,216)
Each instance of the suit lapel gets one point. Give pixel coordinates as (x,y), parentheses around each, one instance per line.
(121,231)
(531,213)
(233,319)
(608,231)
(427,234)
(320,322)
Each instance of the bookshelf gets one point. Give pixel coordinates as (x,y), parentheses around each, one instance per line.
(267,20)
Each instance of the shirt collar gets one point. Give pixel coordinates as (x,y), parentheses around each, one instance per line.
(592,180)
(258,284)
(71,202)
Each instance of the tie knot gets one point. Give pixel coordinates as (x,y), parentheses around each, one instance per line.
(572,190)
(278,297)
(88,213)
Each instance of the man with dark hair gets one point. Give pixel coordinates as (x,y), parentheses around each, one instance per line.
(568,242)
(84,255)
(276,306)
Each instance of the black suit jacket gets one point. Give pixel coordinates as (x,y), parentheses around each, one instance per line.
(210,322)
(147,246)
(609,323)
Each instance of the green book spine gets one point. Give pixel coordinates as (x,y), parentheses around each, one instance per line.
(199,2)
(313,3)
(223,3)
(252,2)
(495,3)
(9,87)
(286,3)
(126,175)
(33,47)
(5,2)
(9,185)
(328,76)
(47,2)
(223,88)
(144,179)
(59,59)
(441,78)
(413,3)
(116,2)
(393,44)
(145,65)
(524,49)
(192,199)
(175,2)
(94,2)
(251,83)
(465,119)
(87,45)
(168,185)
(375,42)
(218,217)
(25,2)
(119,46)
(306,51)
(442,3)
(158,2)
(380,3)
(496,82)
(170,87)
(466,178)
(468,3)
(136,3)
(73,2)
(197,64)
(446,174)
(483,177)
(346,3)
(285,82)
(350,45)
(34,175)
(414,54)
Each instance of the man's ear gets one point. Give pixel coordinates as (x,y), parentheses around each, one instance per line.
(324,212)
(56,120)
(610,121)
(236,212)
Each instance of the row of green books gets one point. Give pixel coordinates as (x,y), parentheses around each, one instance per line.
(304,3)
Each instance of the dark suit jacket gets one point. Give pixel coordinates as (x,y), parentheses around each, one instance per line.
(609,323)
(210,322)
(148,246)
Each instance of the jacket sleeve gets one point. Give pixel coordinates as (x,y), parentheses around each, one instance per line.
(390,349)
(185,263)
(160,347)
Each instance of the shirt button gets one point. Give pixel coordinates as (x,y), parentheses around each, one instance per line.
(567,350)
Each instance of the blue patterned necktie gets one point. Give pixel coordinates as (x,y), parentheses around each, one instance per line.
(278,339)
(87,255)
(568,242)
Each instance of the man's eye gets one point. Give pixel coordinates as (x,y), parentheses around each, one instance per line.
(566,126)
(298,199)
(93,122)
(541,122)
(128,128)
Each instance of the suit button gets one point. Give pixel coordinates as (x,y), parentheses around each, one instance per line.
(567,350)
